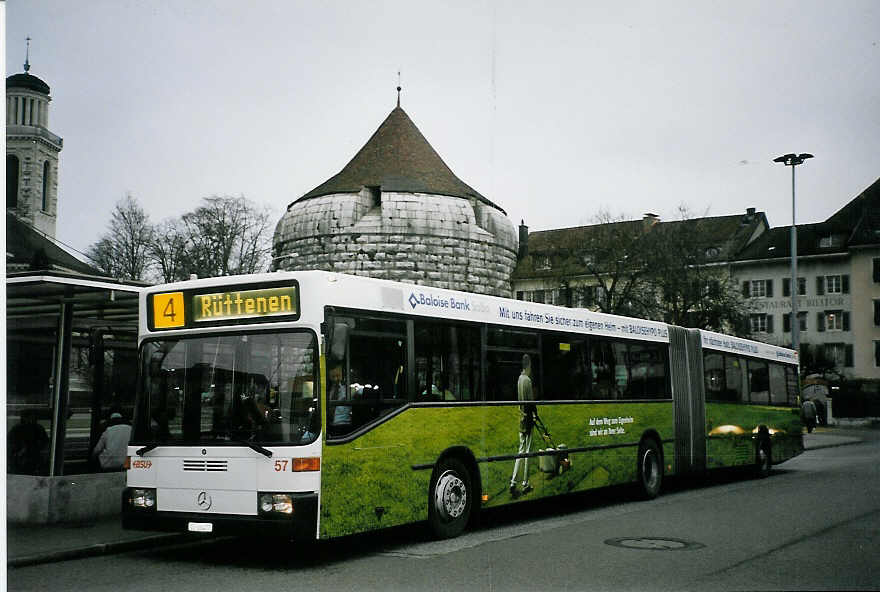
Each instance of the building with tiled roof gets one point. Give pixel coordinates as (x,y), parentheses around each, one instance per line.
(397,211)
(838,286)
(558,266)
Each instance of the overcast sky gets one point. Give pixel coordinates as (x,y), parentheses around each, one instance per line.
(553,110)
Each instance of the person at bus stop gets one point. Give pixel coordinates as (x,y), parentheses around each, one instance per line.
(27,446)
(526,423)
(808,411)
(112,446)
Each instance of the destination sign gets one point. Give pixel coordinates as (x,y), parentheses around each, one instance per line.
(242,304)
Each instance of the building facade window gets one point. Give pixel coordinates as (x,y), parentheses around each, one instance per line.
(46,171)
(877,354)
(876,264)
(786,322)
(833,320)
(802,286)
(758,289)
(761,323)
(832,284)
(877,313)
(12,166)
(835,352)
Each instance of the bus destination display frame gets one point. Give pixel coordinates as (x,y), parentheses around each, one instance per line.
(224,305)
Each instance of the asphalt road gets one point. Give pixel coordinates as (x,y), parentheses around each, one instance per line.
(813,524)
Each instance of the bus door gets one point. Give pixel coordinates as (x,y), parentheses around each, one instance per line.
(686,366)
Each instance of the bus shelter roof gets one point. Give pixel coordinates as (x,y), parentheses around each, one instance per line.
(96,300)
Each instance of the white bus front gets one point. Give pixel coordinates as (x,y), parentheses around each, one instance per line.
(226,435)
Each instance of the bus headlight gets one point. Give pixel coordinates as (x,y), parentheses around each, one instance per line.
(142,498)
(275,503)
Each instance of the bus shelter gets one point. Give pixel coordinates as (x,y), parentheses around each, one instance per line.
(71,344)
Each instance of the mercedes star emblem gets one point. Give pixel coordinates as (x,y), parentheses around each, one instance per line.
(203,500)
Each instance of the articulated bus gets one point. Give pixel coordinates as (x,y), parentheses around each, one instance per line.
(315,405)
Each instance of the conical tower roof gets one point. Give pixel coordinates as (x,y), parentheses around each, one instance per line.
(398,158)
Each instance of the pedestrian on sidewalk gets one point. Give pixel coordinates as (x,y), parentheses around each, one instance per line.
(808,412)
(112,446)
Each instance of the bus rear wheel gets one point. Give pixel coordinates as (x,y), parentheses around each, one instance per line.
(450,498)
(650,469)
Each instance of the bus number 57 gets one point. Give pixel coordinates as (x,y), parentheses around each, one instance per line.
(280,465)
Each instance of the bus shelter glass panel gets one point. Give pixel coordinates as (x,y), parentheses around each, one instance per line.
(256,388)
(103,367)
(30,382)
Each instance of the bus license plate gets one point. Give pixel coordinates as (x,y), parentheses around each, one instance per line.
(200,527)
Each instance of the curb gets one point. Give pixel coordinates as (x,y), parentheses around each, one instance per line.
(96,549)
(833,445)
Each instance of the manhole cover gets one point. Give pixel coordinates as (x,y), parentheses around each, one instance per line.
(653,544)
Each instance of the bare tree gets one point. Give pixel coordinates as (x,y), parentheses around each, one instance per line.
(693,288)
(616,256)
(168,250)
(122,251)
(227,236)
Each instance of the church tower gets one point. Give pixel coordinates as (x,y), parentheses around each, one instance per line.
(32,152)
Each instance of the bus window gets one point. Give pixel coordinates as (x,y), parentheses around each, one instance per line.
(505,349)
(647,367)
(778,387)
(759,382)
(713,373)
(621,368)
(502,374)
(377,376)
(447,360)
(602,363)
(565,371)
(510,338)
(229,387)
(735,376)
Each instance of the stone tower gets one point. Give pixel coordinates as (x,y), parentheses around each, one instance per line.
(396,211)
(31,153)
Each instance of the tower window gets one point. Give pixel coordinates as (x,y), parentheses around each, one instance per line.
(46,171)
(11,181)
(376,194)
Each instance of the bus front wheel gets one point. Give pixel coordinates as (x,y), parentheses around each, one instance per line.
(450,498)
(650,469)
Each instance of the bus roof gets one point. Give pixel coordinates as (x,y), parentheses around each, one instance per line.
(324,288)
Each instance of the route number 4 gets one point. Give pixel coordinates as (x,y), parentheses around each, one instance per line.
(168,310)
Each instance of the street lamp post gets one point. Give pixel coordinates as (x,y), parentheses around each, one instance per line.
(793,160)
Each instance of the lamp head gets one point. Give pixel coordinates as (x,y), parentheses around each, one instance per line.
(793,159)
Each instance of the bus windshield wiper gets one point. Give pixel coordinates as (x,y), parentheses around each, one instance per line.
(147,448)
(255,447)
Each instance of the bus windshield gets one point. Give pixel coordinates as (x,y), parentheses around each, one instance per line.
(257,388)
